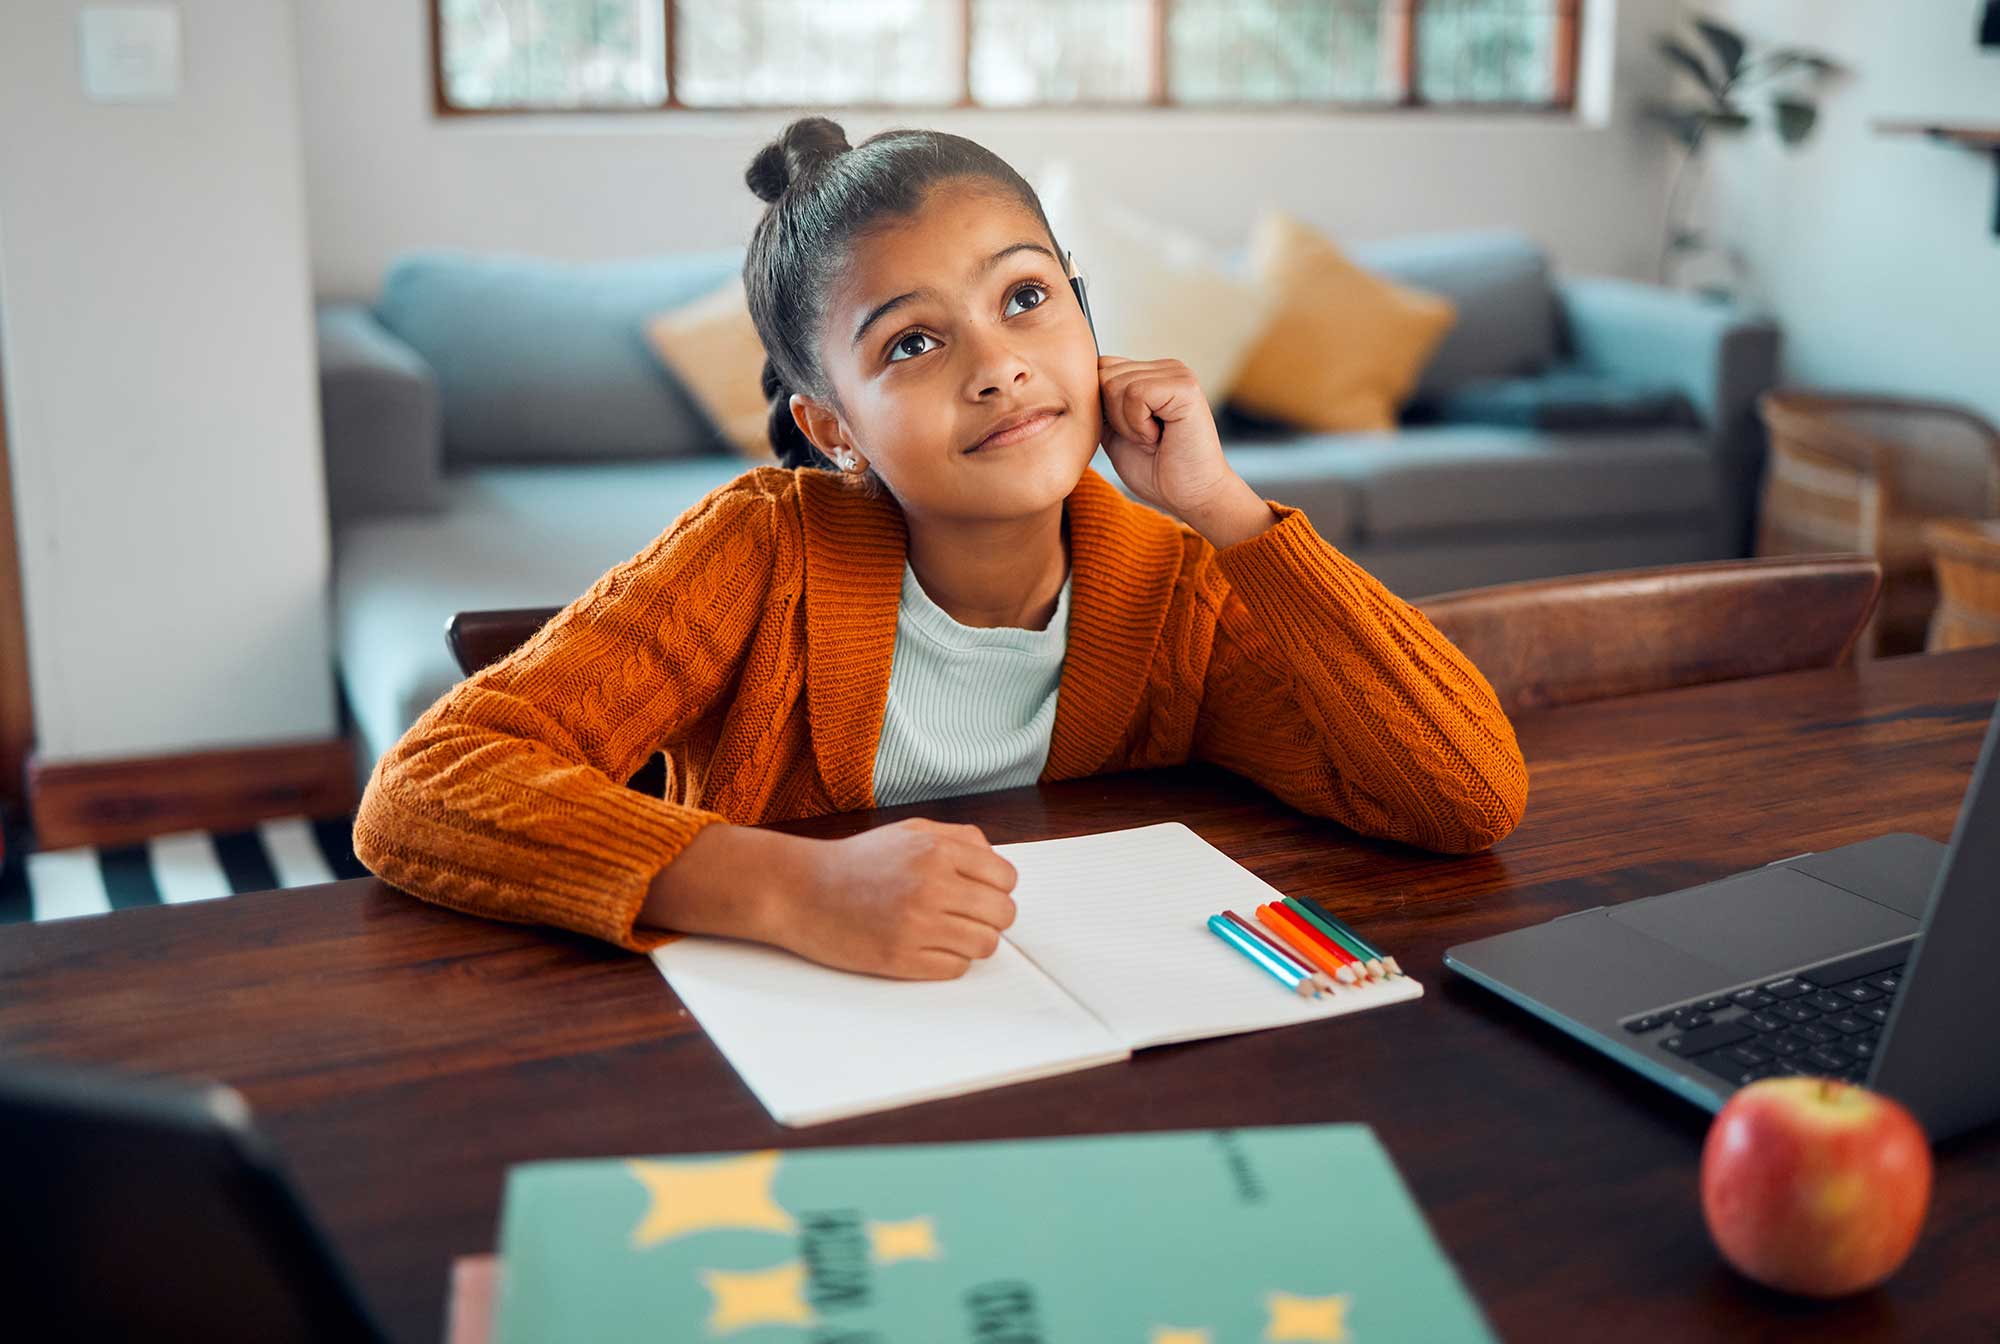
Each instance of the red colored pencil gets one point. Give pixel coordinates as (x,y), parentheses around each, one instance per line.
(1319,939)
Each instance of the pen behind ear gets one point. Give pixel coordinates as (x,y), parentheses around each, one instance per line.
(1076,283)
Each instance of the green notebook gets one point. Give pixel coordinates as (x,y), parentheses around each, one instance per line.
(1302,1233)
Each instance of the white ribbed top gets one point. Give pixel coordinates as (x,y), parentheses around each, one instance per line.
(970,708)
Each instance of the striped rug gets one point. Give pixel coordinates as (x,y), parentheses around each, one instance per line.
(173,869)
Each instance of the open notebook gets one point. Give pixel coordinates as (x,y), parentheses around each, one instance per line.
(1109,952)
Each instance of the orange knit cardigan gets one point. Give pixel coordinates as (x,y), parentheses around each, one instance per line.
(751,642)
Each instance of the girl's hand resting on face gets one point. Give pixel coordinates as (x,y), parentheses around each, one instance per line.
(1160,434)
(916,899)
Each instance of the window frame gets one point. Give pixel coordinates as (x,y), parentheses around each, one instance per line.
(1403,15)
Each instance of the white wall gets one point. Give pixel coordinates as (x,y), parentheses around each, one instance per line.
(384,174)
(1877,252)
(160,391)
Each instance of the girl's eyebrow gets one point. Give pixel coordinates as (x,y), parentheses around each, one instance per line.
(884,309)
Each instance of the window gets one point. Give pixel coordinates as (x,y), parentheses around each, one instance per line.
(648,55)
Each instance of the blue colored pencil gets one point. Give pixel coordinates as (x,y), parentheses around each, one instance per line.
(1311,972)
(1280,972)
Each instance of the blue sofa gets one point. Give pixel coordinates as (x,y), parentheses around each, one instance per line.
(498,434)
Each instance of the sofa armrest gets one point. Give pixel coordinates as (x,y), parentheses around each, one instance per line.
(1720,357)
(380,417)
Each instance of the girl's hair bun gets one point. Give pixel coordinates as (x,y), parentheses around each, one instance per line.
(799,149)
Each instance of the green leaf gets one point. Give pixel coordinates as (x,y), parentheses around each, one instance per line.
(1683,123)
(1795,118)
(1724,42)
(1688,61)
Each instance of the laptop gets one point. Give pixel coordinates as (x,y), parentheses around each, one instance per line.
(146,1210)
(1869,963)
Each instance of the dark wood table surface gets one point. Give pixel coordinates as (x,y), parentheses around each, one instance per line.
(403,1056)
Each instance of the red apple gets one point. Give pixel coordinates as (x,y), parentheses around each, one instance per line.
(1813,1186)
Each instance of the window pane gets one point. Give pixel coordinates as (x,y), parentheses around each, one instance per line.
(1486,50)
(1278,50)
(750,52)
(553,53)
(1060,51)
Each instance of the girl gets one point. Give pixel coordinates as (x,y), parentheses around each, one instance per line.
(933,595)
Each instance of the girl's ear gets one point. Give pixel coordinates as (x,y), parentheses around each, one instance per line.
(822,429)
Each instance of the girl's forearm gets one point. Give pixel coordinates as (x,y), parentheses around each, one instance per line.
(730,880)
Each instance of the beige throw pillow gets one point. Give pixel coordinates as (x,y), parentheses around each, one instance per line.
(712,346)
(1155,292)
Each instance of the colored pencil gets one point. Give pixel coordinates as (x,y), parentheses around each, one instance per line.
(1331,946)
(1345,939)
(1318,976)
(1278,970)
(1388,961)
(1269,917)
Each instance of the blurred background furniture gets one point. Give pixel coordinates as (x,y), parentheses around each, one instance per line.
(1965,556)
(1594,636)
(1864,473)
(498,433)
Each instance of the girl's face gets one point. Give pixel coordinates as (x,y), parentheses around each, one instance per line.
(946,324)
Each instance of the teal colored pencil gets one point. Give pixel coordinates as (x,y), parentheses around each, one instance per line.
(1278,970)
(1388,962)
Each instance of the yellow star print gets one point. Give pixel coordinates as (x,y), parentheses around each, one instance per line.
(911,1239)
(1307,1320)
(774,1296)
(693,1197)
(1166,1334)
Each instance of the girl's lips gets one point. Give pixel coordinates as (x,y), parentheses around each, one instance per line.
(1018,432)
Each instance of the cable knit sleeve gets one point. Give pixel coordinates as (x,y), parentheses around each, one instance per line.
(1346,702)
(507,798)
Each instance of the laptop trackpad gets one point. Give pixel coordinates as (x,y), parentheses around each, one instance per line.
(1764,921)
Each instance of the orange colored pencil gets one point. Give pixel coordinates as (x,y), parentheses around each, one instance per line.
(1307,948)
(1319,939)
(1362,970)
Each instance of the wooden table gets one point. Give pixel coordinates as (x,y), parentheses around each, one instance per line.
(402,1056)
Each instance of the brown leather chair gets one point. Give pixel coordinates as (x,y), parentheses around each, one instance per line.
(1852,472)
(1547,642)
(481,638)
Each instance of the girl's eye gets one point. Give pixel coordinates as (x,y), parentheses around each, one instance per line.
(1035,287)
(901,347)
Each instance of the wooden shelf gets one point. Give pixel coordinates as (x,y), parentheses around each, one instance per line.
(1981,138)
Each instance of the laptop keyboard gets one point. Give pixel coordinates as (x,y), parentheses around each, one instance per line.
(1825,1020)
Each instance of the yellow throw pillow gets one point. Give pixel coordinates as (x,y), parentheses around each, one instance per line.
(712,346)
(1343,347)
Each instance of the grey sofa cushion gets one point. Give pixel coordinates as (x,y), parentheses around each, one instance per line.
(1441,478)
(1565,398)
(548,360)
(1499,282)
(378,418)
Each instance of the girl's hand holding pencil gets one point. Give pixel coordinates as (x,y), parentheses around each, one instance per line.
(917,900)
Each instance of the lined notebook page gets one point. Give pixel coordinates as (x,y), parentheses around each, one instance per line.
(818,1044)
(1120,920)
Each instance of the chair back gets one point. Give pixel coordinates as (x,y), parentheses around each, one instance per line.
(481,638)
(1548,642)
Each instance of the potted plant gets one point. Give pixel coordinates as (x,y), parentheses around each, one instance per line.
(1722,69)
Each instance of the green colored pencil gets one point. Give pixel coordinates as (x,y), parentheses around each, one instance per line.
(1366,959)
(1336,922)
